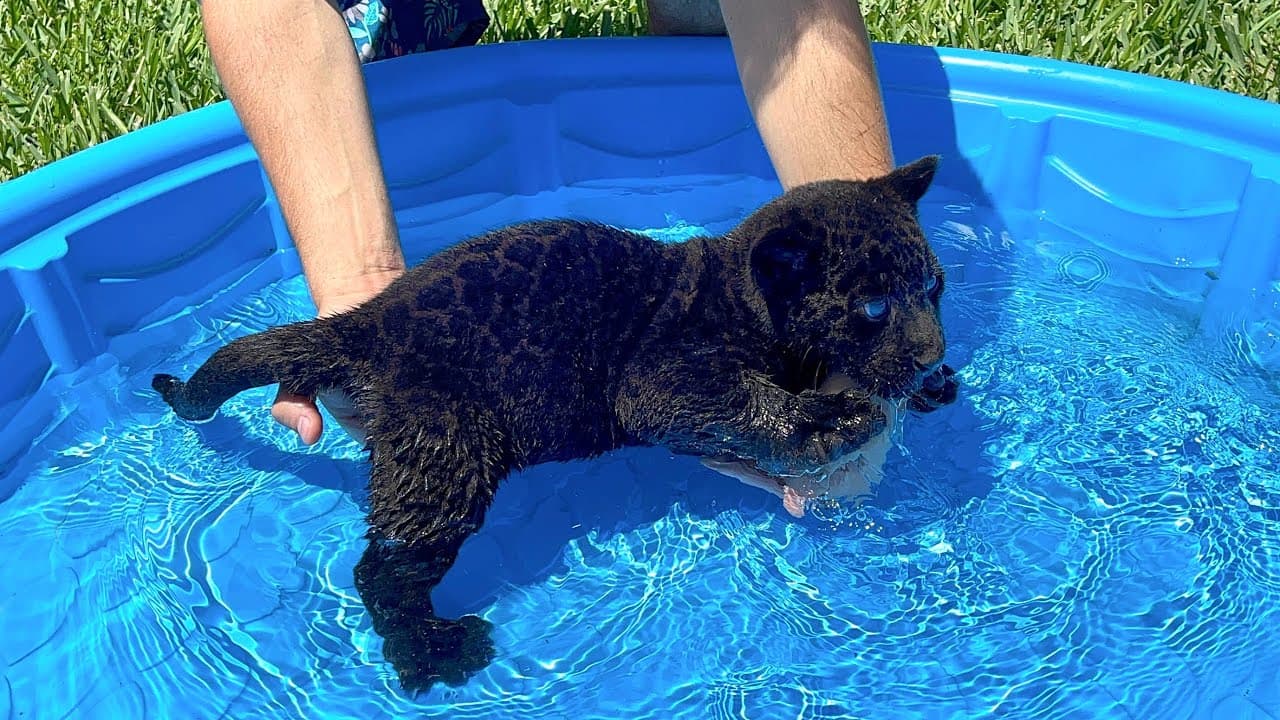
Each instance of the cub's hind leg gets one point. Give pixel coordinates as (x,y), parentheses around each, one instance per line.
(434,477)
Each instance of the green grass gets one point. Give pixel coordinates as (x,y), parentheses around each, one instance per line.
(543,19)
(76,72)
(1229,44)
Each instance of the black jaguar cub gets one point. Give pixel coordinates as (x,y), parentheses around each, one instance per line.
(553,341)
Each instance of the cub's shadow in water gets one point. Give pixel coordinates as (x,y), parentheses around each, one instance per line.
(538,512)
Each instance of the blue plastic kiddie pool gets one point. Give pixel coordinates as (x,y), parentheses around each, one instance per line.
(1091,530)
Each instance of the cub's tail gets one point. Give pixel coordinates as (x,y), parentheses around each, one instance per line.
(299,356)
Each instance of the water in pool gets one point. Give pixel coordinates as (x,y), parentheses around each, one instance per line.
(1091,531)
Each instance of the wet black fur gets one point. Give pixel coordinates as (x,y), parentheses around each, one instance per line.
(555,341)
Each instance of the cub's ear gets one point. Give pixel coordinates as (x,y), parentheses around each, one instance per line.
(911,182)
(787,260)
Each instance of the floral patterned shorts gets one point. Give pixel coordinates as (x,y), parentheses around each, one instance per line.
(390,28)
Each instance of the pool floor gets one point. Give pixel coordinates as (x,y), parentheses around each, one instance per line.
(1092,530)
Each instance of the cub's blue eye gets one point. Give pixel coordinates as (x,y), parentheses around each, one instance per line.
(876,309)
(931,283)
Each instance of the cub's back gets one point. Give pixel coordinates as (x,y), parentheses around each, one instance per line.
(536,310)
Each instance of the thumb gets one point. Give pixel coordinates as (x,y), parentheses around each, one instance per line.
(298,413)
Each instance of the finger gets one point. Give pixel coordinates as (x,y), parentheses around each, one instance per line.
(793,502)
(299,413)
(745,475)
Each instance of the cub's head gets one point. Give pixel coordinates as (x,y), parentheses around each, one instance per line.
(843,273)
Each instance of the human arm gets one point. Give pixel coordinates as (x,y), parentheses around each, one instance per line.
(811,82)
(294,80)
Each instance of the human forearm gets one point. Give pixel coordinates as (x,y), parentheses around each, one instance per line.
(293,77)
(294,80)
(808,74)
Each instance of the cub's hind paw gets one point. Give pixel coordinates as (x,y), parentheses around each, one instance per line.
(440,651)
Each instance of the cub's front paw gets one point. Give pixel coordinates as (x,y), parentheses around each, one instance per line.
(940,389)
(836,425)
(842,436)
(837,411)
(438,650)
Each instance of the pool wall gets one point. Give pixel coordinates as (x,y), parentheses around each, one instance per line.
(1172,188)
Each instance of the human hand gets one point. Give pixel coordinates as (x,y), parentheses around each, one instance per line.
(300,412)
